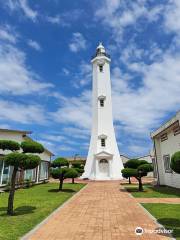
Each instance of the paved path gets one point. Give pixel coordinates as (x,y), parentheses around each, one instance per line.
(101,211)
(159,200)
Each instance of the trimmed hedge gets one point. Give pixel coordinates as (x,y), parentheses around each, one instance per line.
(32,147)
(175,162)
(9,145)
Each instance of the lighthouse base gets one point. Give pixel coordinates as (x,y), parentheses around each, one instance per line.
(101,178)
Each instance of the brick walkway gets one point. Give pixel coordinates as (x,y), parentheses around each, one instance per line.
(159,200)
(101,211)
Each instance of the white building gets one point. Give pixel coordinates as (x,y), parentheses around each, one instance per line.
(103,161)
(147,158)
(36,175)
(167,142)
(124,158)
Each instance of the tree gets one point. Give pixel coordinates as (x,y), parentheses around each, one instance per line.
(71,173)
(21,161)
(60,162)
(60,170)
(138,169)
(9,145)
(175,162)
(31,146)
(78,166)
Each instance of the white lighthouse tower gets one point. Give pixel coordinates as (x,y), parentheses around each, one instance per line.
(103,161)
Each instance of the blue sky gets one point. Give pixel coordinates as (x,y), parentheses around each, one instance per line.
(45,70)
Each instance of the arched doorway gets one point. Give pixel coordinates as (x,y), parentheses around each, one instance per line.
(104,168)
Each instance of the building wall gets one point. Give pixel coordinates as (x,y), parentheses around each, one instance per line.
(147,158)
(124,159)
(36,175)
(167,147)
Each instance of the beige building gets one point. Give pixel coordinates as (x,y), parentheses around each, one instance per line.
(36,175)
(166,142)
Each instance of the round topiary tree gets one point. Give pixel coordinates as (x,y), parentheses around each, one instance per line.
(9,145)
(58,170)
(138,169)
(58,173)
(175,162)
(60,162)
(78,166)
(71,173)
(128,173)
(22,161)
(30,146)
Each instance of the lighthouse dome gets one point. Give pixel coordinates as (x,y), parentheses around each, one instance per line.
(100,49)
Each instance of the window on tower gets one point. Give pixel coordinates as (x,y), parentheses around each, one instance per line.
(101,68)
(102,102)
(103,142)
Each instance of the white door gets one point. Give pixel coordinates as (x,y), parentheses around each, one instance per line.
(103,168)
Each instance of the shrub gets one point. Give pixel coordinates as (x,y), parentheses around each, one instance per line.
(136,168)
(134,163)
(9,145)
(32,147)
(129,172)
(145,168)
(59,173)
(71,173)
(59,162)
(175,162)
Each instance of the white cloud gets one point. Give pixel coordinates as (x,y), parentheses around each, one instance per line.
(140,110)
(65,71)
(75,110)
(75,132)
(22,5)
(8,34)
(171,16)
(54,19)
(53,138)
(4,126)
(28,11)
(65,148)
(138,150)
(35,45)
(22,113)
(83,76)
(78,42)
(118,14)
(15,76)
(11,4)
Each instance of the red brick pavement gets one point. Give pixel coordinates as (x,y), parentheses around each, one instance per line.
(101,211)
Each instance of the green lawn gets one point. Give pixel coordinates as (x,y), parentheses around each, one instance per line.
(31,207)
(166,214)
(153,191)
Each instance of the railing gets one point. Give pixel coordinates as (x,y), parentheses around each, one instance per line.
(101,54)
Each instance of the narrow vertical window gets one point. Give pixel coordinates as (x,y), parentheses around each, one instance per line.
(101,68)
(103,142)
(167,162)
(102,102)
